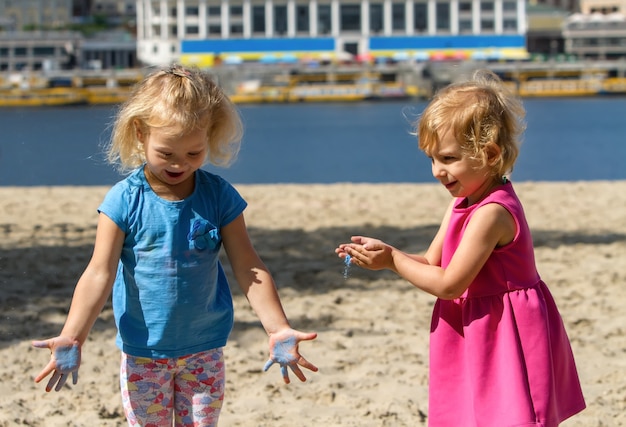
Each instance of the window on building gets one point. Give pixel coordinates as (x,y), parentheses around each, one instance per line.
(509,25)
(487,25)
(442,12)
(235,26)
(192,11)
(376,17)
(192,30)
(215,29)
(486,6)
(236,29)
(420,17)
(465,26)
(258,19)
(465,7)
(612,41)
(20,51)
(509,6)
(398,17)
(280,19)
(302,18)
(43,51)
(215,11)
(350,17)
(323,19)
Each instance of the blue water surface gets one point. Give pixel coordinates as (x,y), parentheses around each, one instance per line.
(566,140)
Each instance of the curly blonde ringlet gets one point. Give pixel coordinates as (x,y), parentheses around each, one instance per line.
(480,112)
(181,100)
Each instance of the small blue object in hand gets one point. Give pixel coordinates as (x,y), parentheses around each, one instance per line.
(346,268)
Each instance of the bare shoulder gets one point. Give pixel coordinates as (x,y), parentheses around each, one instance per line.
(496,221)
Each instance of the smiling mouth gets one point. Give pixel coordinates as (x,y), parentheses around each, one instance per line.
(174,174)
(449,185)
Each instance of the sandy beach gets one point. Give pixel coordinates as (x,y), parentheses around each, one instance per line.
(372,349)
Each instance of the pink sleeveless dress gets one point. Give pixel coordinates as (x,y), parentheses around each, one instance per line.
(499,354)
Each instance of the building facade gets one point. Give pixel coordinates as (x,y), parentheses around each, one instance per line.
(604,7)
(598,32)
(199,32)
(113,7)
(596,36)
(18,15)
(43,47)
(34,51)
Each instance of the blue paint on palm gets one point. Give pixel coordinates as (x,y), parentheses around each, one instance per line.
(283,350)
(282,354)
(67,358)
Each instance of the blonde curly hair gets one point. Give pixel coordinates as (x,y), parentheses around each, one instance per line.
(480,112)
(181,99)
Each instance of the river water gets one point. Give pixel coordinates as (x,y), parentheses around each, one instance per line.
(566,140)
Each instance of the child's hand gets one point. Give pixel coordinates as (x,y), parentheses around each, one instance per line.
(64,359)
(366,252)
(284,351)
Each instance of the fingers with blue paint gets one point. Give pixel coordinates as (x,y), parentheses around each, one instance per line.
(284,352)
(64,360)
(281,354)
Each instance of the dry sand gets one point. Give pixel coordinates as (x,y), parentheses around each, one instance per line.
(372,348)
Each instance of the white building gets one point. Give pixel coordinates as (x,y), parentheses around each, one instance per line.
(598,32)
(596,36)
(200,31)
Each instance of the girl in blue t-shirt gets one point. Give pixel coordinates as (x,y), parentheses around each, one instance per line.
(157,247)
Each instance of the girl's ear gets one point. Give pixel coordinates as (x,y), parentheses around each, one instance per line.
(493,152)
(138,132)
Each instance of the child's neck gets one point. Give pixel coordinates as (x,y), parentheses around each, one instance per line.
(482,192)
(170,192)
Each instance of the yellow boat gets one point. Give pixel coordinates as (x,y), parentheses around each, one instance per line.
(330,93)
(41,97)
(320,87)
(260,95)
(97,95)
(614,86)
(560,87)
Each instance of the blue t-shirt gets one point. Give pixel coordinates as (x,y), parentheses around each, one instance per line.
(171,297)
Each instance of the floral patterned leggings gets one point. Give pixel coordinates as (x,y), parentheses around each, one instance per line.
(187,390)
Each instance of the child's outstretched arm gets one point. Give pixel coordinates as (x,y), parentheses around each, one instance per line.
(90,295)
(491,226)
(383,260)
(258,286)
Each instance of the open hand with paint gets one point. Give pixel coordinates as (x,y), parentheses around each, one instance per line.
(64,360)
(284,351)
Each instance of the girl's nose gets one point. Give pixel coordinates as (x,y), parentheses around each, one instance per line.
(437,170)
(176,163)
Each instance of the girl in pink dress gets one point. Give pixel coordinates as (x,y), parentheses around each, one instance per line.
(499,353)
